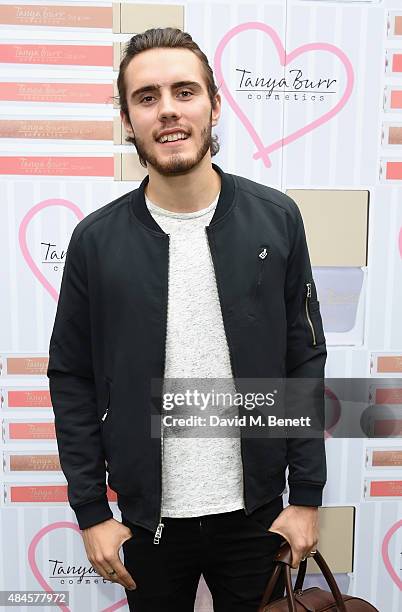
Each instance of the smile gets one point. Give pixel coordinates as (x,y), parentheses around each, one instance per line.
(172,138)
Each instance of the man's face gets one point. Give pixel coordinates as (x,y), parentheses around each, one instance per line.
(179,105)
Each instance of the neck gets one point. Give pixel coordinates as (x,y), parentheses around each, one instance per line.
(187,192)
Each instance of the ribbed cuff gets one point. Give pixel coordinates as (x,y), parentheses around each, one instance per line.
(93,513)
(304,494)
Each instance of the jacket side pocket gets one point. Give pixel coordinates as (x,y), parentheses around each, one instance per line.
(263,253)
(105,420)
(107,405)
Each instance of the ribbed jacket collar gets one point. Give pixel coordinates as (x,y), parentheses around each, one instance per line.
(225,201)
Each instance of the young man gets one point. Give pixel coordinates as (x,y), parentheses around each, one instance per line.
(196,274)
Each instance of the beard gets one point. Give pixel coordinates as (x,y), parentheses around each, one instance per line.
(176,163)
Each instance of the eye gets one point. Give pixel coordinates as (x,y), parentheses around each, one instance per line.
(181,92)
(142,100)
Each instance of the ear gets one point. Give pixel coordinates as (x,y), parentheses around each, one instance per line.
(126,124)
(216,110)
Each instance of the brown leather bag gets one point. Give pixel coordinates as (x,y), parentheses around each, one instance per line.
(313,599)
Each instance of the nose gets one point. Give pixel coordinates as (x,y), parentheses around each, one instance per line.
(168,107)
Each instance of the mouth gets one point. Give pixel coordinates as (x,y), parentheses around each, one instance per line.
(173,143)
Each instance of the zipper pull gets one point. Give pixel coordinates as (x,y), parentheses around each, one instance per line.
(158,533)
(105,415)
(308,289)
(263,253)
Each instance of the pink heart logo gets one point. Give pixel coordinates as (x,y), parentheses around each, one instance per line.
(385,554)
(22,236)
(284,59)
(36,572)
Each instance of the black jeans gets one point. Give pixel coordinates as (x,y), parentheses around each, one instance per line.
(234,552)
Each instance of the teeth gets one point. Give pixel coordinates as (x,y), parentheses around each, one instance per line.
(173,137)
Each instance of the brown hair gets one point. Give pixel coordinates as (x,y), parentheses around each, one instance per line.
(166,38)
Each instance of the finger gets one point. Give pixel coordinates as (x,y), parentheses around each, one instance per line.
(109,573)
(101,571)
(307,552)
(122,576)
(297,557)
(104,567)
(300,557)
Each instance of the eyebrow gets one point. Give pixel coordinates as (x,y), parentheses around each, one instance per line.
(176,85)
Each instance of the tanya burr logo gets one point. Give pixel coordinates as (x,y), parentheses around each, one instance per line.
(261,87)
(51,251)
(66,572)
(297,86)
(53,255)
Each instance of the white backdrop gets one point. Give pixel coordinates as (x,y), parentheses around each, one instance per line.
(345,149)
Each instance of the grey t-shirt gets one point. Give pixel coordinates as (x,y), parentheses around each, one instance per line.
(200,475)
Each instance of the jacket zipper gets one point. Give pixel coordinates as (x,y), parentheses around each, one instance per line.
(158,532)
(230,355)
(308,295)
(262,256)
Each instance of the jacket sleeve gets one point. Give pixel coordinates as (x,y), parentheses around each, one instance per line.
(305,358)
(73,395)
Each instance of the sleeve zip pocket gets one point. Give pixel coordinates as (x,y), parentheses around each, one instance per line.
(307,307)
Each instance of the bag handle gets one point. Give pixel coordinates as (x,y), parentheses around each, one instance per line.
(283,560)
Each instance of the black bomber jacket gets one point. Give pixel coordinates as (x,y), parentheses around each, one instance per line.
(109,334)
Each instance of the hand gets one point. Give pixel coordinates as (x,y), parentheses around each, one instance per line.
(102,543)
(299,526)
